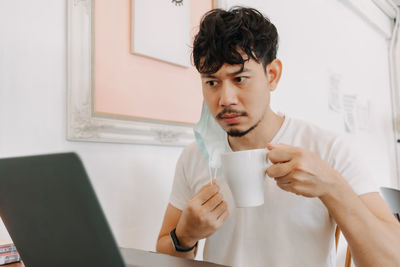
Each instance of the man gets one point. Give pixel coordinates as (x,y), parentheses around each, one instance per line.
(315,182)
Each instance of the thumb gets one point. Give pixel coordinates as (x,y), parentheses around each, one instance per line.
(270,146)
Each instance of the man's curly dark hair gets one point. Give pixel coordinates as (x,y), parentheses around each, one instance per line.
(223,35)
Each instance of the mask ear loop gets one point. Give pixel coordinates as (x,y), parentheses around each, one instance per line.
(213,171)
(210,172)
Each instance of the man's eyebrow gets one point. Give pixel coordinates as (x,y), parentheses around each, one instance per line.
(209,75)
(239,71)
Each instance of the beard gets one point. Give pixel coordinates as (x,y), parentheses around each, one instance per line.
(235,132)
(238,133)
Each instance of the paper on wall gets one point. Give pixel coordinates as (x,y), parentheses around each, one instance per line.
(335,100)
(349,104)
(356,113)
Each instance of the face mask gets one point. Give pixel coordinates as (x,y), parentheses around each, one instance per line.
(211,138)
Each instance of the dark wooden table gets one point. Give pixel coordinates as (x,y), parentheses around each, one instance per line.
(17,264)
(136,257)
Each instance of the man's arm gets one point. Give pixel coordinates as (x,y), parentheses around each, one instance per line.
(205,213)
(371,230)
(164,244)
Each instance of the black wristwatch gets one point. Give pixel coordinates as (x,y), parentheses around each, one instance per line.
(177,246)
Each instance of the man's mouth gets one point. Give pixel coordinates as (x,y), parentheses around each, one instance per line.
(231,119)
(231,116)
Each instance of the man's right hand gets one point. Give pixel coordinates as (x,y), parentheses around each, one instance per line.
(205,214)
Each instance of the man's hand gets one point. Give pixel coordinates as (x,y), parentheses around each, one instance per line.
(301,172)
(205,214)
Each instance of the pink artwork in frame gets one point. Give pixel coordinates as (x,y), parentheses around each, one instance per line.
(136,86)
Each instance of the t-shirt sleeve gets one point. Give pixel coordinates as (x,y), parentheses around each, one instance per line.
(181,193)
(350,160)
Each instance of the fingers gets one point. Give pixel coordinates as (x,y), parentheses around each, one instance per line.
(284,180)
(280,153)
(205,193)
(287,187)
(213,202)
(220,220)
(220,209)
(279,169)
(210,200)
(295,188)
(223,216)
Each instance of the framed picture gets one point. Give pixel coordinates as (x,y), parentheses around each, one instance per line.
(120,92)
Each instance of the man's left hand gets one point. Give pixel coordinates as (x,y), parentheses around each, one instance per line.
(300,171)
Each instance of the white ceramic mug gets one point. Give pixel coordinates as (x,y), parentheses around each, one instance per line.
(245,172)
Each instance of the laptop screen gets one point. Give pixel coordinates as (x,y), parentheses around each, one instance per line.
(52,213)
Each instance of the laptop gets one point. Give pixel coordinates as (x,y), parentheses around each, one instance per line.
(54,217)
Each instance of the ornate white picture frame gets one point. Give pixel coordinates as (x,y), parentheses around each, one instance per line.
(83,124)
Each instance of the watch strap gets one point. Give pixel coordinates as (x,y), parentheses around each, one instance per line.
(177,245)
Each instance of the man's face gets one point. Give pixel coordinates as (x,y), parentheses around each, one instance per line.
(237,99)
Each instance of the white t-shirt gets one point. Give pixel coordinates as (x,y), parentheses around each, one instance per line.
(288,230)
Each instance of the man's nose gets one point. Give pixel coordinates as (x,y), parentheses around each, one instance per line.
(228,95)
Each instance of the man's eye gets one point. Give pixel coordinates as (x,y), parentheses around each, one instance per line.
(211,83)
(240,79)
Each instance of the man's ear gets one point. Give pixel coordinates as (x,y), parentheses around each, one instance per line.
(273,72)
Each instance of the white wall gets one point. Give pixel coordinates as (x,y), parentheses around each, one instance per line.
(33,120)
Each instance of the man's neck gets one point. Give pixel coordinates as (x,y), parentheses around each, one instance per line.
(260,136)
